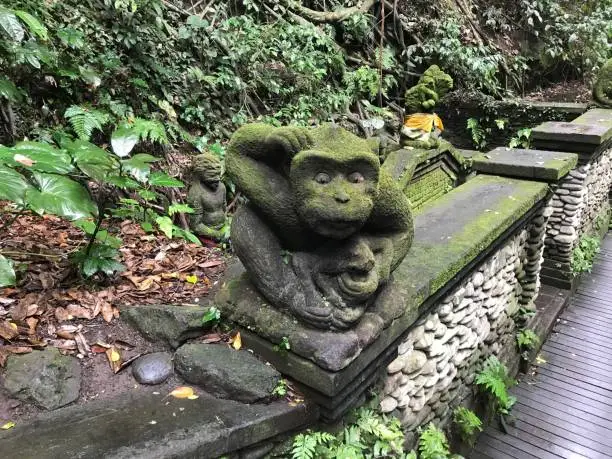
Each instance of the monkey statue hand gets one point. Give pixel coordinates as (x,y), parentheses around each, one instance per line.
(290,140)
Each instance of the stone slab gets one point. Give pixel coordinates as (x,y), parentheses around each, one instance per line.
(152,426)
(598,116)
(525,163)
(578,133)
(567,107)
(450,234)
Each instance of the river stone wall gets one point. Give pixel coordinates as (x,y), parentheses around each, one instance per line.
(439,358)
(578,200)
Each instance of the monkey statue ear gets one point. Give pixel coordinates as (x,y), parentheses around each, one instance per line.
(289,140)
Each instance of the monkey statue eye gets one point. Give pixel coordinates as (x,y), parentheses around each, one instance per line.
(356,177)
(322,178)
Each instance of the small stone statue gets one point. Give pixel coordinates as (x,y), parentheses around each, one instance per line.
(421,123)
(324,227)
(207,197)
(602,89)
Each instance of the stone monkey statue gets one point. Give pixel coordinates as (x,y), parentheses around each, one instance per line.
(602,89)
(320,195)
(207,197)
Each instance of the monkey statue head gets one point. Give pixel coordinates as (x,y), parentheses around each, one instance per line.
(208,169)
(335,182)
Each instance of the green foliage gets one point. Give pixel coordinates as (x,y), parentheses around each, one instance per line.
(7,272)
(468,424)
(482,128)
(526,340)
(212,316)
(283,346)
(522,139)
(494,380)
(281,388)
(85,120)
(584,254)
(433,444)
(370,435)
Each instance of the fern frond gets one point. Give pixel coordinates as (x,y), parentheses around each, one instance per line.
(151,130)
(304,446)
(85,120)
(433,443)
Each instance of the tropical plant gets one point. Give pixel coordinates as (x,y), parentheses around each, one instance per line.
(370,435)
(584,254)
(468,424)
(74,181)
(494,381)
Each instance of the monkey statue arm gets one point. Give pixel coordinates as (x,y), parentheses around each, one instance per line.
(255,160)
(391,218)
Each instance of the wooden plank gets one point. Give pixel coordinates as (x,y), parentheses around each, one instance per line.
(539,448)
(575,364)
(576,446)
(600,439)
(584,337)
(580,329)
(566,409)
(509,451)
(593,408)
(578,384)
(576,342)
(578,376)
(602,359)
(582,359)
(599,324)
(586,315)
(562,387)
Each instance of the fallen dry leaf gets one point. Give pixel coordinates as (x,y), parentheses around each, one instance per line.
(23,160)
(107,312)
(184,392)
(8,330)
(7,426)
(114,358)
(81,343)
(236,341)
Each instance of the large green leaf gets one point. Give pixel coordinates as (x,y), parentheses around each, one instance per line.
(92,160)
(9,91)
(124,140)
(45,157)
(10,25)
(139,166)
(7,273)
(60,196)
(162,179)
(34,25)
(13,185)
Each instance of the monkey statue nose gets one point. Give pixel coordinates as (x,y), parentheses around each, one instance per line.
(342,197)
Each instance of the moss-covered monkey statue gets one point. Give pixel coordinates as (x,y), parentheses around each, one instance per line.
(207,197)
(602,89)
(324,226)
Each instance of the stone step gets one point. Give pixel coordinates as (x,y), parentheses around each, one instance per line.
(153,426)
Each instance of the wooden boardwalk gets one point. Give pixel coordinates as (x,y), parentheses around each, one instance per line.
(565,409)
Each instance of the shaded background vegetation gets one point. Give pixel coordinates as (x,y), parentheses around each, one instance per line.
(205,67)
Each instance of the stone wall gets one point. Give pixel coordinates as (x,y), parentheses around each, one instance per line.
(440,356)
(577,202)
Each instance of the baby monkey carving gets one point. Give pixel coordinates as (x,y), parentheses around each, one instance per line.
(207,197)
(324,227)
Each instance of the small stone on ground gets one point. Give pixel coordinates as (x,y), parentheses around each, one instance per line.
(153,368)
(225,372)
(47,378)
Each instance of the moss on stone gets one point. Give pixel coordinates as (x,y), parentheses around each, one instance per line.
(432,85)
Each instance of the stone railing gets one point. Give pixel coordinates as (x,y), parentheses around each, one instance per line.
(581,200)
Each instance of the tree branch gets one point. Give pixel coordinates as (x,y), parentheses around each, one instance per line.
(329,16)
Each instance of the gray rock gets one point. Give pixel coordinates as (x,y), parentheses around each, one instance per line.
(570,199)
(478,279)
(153,368)
(564,238)
(47,378)
(388,404)
(413,362)
(171,324)
(225,372)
